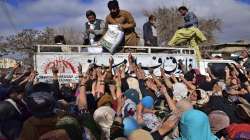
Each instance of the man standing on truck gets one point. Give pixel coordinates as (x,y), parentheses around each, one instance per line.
(188,32)
(150,32)
(124,20)
(93,29)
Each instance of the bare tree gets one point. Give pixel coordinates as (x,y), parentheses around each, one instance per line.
(3,45)
(24,40)
(46,36)
(169,20)
(72,35)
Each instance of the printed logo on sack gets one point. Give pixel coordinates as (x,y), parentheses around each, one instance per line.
(63,66)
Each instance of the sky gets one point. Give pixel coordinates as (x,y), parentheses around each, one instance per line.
(16,15)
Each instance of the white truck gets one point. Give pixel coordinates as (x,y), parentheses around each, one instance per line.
(148,57)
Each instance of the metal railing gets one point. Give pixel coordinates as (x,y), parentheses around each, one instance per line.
(145,49)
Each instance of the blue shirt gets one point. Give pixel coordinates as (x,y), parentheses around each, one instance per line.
(190,20)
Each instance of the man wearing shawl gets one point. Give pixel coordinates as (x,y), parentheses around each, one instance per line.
(124,20)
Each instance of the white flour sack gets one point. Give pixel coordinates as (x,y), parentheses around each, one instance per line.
(112,38)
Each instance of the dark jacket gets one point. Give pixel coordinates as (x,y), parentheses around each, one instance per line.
(148,35)
(190,20)
(98,31)
(12,116)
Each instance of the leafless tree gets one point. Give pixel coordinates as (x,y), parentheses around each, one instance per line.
(72,35)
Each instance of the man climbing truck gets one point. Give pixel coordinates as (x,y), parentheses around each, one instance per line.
(189,32)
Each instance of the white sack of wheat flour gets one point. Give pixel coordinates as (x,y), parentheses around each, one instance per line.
(95,50)
(112,38)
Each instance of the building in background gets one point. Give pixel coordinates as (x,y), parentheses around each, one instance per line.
(226,50)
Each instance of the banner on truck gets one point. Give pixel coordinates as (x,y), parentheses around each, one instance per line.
(67,63)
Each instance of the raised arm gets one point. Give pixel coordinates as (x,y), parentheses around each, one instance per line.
(29,84)
(82,100)
(141,76)
(188,84)
(132,65)
(227,77)
(10,74)
(169,100)
(55,84)
(156,80)
(208,70)
(100,82)
(166,79)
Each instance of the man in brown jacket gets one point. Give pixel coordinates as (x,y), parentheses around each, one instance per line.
(124,20)
(43,118)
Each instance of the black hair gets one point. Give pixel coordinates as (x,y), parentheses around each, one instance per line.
(15,89)
(59,39)
(214,82)
(151,17)
(182,8)
(42,87)
(189,76)
(90,13)
(113,4)
(198,92)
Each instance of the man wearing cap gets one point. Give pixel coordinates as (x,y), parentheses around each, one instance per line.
(93,29)
(124,20)
(46,122)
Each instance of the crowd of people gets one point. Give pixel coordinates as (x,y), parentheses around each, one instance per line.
(124,103)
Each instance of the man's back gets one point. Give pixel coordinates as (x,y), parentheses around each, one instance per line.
(190,20)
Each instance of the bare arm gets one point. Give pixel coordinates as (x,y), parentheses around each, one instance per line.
(100,82)
(234,69)
(228,81)
(174,78)
(111,62)
(132,65)
(157,81)
(167,81)
(82,100)
(169,100)
(168,125)
(208,70)
(130,22)
(118,85)
(188,84)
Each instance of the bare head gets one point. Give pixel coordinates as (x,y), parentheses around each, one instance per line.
(114,9)
(91,16)
(183,10)
(152,19)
